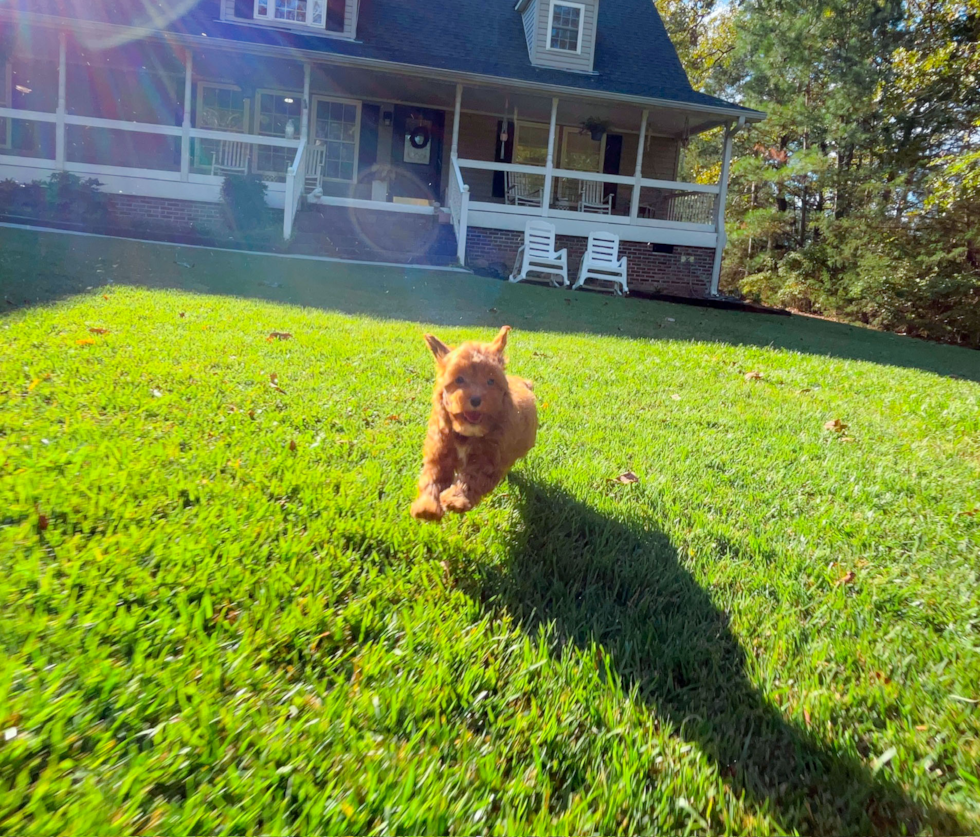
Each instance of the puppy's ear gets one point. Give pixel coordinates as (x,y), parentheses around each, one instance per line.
(500,341)
(437,347)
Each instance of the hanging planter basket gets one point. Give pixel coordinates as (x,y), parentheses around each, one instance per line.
(596,128)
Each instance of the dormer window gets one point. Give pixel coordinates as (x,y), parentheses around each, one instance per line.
(318,14)
(565,27)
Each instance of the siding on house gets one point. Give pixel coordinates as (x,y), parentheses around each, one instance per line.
(582,61)
(530,19)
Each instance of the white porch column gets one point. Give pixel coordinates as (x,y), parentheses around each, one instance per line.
(185,125)
(304,128)
(59,124)
(722,196)
(638,172)
(550,162)
(454,151)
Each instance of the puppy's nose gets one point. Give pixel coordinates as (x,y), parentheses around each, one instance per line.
(476,401)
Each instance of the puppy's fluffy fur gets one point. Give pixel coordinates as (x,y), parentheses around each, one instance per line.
(482,422)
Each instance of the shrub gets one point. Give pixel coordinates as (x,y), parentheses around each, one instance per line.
(64,197)
(244,198)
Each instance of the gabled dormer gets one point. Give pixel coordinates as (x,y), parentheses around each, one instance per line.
(336,18)
(560,33)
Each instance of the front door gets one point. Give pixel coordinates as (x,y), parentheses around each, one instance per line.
(416,152)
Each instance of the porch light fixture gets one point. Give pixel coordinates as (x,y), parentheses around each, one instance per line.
(288,101)
(21,89)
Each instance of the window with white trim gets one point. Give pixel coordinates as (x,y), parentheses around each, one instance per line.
(308,12)
(275,112)
(565,27)
(335,126)
(319,14)
(220,107)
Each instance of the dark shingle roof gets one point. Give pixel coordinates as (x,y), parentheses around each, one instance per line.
(633,55)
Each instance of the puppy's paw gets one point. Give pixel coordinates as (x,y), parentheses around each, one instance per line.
(427,508)
(455,500)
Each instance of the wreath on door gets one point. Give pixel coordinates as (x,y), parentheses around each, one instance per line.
(420,136)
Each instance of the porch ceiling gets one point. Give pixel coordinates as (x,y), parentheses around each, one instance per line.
(388,87)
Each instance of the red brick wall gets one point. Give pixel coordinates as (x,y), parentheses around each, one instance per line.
(685,272)
(163,211)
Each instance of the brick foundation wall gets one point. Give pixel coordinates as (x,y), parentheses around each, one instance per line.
(166,212)
(685,272)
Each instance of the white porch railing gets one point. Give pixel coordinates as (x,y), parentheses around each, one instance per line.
(665,211)
(459,208)
(295,177)
(165,179)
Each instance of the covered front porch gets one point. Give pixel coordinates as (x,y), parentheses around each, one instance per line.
(157,120)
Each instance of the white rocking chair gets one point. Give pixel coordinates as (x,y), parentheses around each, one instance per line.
(231,158)
(591,200)
(601,262)
(316,157)
(519,190)
(538,255)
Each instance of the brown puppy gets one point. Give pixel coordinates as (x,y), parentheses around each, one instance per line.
(482,422)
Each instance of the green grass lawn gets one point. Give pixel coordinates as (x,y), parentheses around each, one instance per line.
(217,615)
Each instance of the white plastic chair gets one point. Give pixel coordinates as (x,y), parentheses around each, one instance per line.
(316,157)
(520,191)
(538,254)
(601,262)
(591,200)
(231,157)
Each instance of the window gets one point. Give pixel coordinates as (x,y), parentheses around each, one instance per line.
(335,127)
(531,149)
(274,113)
(220,107)
(565,28)
(579,152)
(320,14)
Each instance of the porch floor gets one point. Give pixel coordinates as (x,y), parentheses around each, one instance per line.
(373,235)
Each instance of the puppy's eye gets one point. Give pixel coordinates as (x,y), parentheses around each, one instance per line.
(460,380)
(490,382)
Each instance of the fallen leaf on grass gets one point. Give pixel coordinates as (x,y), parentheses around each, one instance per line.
(251,414)
(394,417)
(806,716)
(804,390)
(971,513)
(183,314)
(42,522)
(836,425)
(292,444)
(85,341)
(627,478)
(279,335)
(922,727)
(36,381)
(98,330)
(847,579)
(753,376)
(104,296)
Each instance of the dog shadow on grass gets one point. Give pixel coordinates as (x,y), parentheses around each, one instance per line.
(598,580)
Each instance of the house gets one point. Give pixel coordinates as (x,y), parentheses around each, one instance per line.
(408,111)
